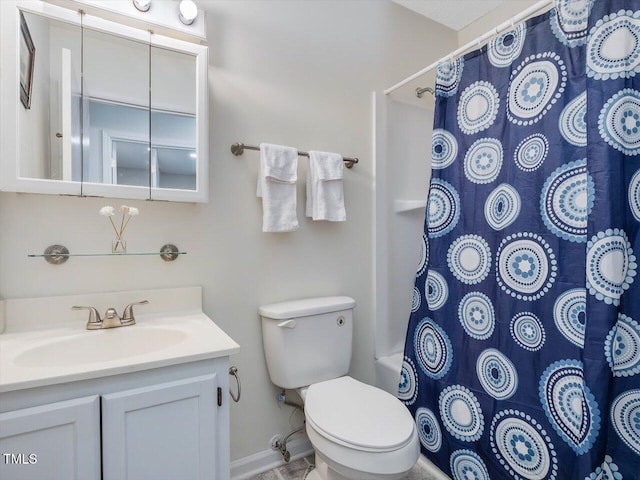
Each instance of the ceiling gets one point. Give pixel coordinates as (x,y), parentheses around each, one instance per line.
(463,13)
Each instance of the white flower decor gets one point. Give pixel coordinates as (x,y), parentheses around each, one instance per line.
(107,211)
(119,245)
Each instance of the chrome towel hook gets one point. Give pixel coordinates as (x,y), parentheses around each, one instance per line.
(421,91)
(234,371)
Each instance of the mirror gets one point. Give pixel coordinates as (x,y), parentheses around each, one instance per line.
(49,125)
(173,119)
(102,109)
(116,127)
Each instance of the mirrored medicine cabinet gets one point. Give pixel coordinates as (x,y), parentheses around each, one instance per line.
(95,108)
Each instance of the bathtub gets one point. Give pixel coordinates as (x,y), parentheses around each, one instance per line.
(388,373)
(388,378)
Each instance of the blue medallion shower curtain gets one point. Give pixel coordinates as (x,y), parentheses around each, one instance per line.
(522,357)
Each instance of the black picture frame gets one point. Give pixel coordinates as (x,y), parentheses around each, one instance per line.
(27,63)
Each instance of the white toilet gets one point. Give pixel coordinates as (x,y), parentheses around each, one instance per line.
(357,431)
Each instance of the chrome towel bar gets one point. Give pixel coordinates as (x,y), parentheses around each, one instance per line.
(238,149)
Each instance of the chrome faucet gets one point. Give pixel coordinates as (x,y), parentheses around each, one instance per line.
(111,317)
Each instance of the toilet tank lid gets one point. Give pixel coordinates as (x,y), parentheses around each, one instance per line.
(306,307)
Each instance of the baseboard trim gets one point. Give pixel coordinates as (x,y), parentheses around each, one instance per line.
(433,471)
(265,460)
(247,467)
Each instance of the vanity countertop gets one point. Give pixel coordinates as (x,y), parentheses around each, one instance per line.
(67,352)
(47,357)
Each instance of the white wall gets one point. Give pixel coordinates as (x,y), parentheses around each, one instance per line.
(492,19)
(297,73)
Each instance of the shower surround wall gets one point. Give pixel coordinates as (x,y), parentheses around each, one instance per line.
(275,76)
(402,141)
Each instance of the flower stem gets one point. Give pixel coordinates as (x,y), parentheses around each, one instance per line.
(114,227)
(121,225)
(125,225)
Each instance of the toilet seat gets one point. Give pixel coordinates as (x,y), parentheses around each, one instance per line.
(358,415)
(327,436)
(359,428)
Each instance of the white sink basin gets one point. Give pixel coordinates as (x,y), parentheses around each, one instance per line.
(100,346)
(45,343)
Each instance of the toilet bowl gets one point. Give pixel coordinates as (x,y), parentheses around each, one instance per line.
(358,432)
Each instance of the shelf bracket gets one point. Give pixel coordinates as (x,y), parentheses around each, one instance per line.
(56,254)
(169,252)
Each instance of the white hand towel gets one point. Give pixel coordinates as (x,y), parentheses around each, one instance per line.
(325,195)
(277,187)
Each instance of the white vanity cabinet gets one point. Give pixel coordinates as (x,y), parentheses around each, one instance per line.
(56,440)
(164,423)
(143,402)
(163,431)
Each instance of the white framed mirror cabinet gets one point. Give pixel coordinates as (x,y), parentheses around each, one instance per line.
(91,107)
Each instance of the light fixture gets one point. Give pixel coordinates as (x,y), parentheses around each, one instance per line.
(188,12)
(142,5)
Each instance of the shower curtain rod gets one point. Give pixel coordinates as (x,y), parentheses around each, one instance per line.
(508,25)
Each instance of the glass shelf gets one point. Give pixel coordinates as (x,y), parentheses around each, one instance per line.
(409,205)
(58,254)
(108,254)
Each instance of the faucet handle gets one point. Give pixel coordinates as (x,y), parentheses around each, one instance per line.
(128,318)
(94,321)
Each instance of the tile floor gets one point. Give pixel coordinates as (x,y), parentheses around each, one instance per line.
(297,469)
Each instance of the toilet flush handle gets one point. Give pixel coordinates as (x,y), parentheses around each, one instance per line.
(288,324)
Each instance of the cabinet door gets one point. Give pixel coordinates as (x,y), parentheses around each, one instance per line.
(166,431)
(58,440)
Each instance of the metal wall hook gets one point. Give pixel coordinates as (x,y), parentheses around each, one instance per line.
(421,91)
(234,371)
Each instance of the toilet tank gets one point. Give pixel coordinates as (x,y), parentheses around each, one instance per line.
(307,341)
